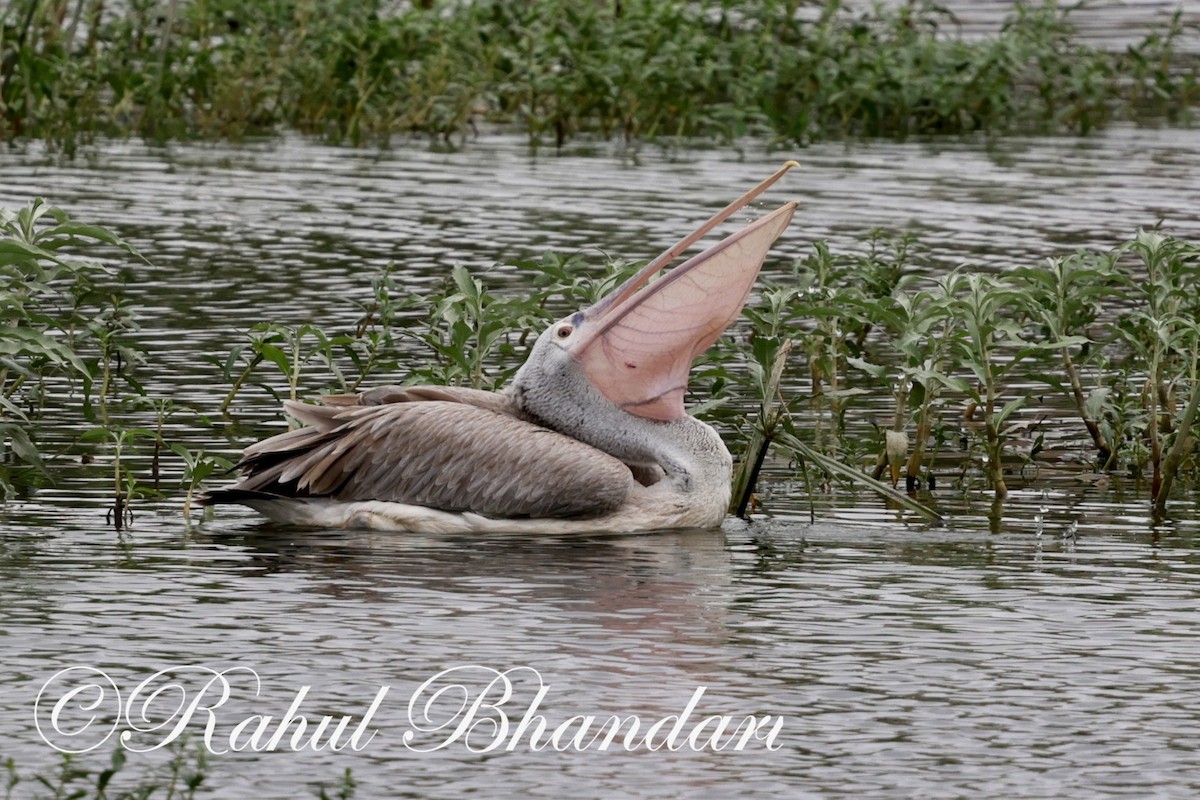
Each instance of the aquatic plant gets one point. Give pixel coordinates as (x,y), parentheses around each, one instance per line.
(179,779)
(115,356)
(992,312)
(184,776)
(830,291)
(372,345)
(467,326)
(1067,296)
(827,309)
(365,72)
(922,328)
(125,486)
(765,356)
(346,788)
(198,467)
(67,343)
(1158,84)
(53,328)
(1163,332)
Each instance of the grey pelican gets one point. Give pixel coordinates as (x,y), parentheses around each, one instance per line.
(591,435)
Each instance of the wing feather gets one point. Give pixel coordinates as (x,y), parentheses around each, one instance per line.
(500,402)
(446,454)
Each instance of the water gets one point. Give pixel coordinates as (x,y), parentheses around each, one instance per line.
(992,658)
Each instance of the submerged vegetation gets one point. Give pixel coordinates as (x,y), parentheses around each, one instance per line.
(360,72)
(1113,334)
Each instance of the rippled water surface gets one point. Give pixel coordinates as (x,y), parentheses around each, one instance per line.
(989,658)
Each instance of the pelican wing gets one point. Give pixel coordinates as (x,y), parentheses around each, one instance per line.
(499,402)
(444,454)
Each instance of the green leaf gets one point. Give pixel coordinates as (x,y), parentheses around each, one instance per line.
(874,370)
(12,409)
(231,360)
(1096,400)
(1061,344)
(277,357)
(933,377)
(188,456)
(1011,330)
(95,435)
(12,251)
(1009,408)
(849,392)
(15,341)
(23,446)
(468,286)
(88,231)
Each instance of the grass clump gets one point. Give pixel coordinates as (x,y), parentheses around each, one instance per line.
(364,72)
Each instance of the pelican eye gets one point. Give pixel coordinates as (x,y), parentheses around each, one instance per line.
(565,331)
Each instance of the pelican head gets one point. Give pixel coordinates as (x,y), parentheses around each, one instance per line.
(609,374)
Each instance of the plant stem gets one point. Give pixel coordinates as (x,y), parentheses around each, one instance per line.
(1180,447)
(770,414)
(237,384)
(1151,391)
(118,499)
(912,469)
(994,448)
(1104,451)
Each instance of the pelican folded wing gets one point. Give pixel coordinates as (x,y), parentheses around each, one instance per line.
(443,455)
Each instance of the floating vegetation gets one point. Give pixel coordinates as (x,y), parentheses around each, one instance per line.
(364,72)
(1113,335)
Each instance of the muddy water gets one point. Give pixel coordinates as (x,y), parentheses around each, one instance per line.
(1051,654)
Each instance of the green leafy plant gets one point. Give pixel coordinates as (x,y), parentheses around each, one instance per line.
(1163,333)
(467,327)
(180,778)
(125,485)
(922,328)
(367,71)
(1067,297)
(198,467)
(991,311)
(285,347)
(54,330)
(346,788)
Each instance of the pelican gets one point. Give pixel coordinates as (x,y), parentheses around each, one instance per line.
(590,436)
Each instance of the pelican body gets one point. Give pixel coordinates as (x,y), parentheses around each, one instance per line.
(591,435)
